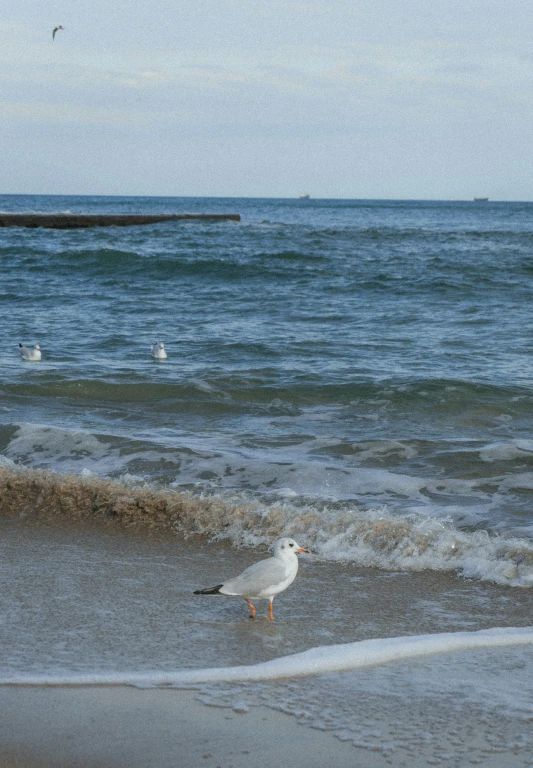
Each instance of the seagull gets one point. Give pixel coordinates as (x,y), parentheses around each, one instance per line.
(263,580)
(30,354)
(55,30)
(158,351)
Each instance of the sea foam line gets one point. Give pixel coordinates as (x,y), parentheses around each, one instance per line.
(315,661)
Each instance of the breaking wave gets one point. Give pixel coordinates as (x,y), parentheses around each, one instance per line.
(372,538)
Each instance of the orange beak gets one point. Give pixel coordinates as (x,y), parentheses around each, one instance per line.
(302,549)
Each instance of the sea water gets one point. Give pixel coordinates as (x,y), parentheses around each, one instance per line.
(367,360)
(357,374)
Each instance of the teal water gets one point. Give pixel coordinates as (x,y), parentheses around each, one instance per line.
(327,354)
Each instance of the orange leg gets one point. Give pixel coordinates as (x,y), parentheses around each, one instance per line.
(251,606)
(271,611)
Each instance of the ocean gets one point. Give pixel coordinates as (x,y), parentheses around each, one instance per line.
(356,374)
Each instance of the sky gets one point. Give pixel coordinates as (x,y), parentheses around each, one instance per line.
(382,99)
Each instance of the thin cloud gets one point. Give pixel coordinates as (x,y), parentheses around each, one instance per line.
(75,113)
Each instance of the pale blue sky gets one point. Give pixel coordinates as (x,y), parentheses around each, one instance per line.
(338,98)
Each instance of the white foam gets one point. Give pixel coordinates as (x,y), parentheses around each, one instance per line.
(380,449)
(378,538)
(278,472)
(508,451)
(64,449)
(426,544)
(315,661)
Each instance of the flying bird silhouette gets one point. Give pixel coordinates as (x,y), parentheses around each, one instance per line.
(55,30)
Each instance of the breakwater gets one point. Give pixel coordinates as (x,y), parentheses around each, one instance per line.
(85,220)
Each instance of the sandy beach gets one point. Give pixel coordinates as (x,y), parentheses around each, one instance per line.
(122,727)
(81,599)
(127,728)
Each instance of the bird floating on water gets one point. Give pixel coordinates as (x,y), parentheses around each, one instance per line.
(263,580)
(158,351)
(34,355)
(55,30)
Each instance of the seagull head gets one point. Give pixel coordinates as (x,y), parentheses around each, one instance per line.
(286,546)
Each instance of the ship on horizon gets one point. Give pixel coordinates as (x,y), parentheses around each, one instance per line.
(481,199)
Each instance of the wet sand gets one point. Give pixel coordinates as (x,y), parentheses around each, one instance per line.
(128,728)
(78,598)
(124,727)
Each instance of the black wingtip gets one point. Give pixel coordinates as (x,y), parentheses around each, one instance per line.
(208,591)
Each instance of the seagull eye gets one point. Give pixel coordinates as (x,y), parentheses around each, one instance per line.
(291,545)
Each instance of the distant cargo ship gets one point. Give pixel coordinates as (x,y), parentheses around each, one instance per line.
(305,196)
(480,199)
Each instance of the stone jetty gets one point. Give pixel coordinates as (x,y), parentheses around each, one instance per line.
(84,220)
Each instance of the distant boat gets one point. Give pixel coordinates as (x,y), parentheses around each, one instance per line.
(305,196)
(481,199)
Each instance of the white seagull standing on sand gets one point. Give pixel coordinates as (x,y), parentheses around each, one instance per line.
(158,351)
(55,30)
(263,580)
(30,354)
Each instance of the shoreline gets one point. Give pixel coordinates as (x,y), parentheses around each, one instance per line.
(81,598)
(372,538)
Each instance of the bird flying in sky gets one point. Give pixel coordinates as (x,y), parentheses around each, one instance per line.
(55,30)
